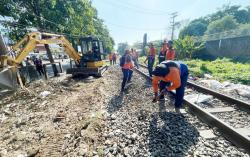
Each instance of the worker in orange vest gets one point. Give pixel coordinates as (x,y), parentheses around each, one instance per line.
(151,58)
(170,75)
(110,58)
(127,65)
(170,55)
(163,52)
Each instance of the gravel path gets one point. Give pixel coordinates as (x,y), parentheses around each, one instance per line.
(236,119)
(91,118)
(137,127)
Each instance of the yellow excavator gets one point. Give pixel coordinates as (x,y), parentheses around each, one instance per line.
(87,63)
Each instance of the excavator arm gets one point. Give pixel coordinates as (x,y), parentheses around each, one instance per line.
(23,48)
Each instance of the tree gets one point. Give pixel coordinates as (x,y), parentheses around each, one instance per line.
(195,28)
(122,47)
(199,26)
(77,17)
(221,25)
(137,45)
(186,47)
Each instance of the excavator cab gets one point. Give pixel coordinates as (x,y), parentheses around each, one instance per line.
(91,62)
(91,52)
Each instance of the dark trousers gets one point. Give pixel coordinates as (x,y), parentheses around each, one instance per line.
(127,75)
(110,62)
(151,62)
(179,91)
(40,70)
(114,61)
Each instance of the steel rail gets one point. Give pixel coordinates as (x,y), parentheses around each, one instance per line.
(241,104)
(227,131)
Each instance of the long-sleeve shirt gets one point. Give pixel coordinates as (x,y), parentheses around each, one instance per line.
(173,76)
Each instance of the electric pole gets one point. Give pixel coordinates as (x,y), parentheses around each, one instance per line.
(173,16)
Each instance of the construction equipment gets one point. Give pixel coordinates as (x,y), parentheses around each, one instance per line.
(92,50)
(90,63)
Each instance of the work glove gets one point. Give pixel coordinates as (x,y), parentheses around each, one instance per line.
(155,99)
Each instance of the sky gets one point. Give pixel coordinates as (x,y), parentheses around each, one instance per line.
(128,20)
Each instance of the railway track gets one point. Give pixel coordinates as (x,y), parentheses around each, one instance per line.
(240,103)
(214,113)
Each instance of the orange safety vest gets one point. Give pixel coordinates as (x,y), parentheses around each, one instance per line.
(128,64)
(173,76)
(170,55)
(110,57)
(152,52)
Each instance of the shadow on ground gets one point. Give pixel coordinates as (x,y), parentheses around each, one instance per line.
(147,84)
(170,134)
(115,103)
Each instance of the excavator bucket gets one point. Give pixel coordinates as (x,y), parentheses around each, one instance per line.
(8,78)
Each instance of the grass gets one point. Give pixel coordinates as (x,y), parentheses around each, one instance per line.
(221,69)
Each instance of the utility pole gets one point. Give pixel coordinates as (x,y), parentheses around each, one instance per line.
(173,16)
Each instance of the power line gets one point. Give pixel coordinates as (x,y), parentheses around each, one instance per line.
(138,7)
(135,28)
(122,6)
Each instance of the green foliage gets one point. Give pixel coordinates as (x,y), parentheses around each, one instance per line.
(221,25)
(76,17)
(186,47)
(195,28)
(221,69)
(199,26)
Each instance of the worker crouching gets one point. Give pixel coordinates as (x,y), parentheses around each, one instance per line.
(127,66)
(170,75)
